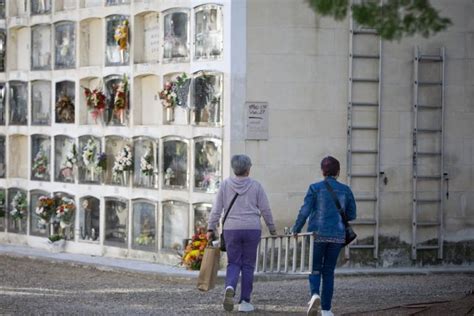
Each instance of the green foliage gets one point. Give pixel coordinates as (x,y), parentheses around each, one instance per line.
(56,237)
(393,19)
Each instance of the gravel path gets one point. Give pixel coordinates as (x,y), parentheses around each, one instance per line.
(37,286)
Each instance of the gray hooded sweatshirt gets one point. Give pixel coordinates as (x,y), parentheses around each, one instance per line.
(250,204)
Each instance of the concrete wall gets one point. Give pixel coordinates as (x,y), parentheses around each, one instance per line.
(298,62)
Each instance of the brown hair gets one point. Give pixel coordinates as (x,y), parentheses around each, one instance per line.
(330,166)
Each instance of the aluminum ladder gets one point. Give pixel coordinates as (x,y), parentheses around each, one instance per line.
(363,139)
(428,150)
(285,254)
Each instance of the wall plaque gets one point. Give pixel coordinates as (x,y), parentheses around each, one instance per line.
(256,120)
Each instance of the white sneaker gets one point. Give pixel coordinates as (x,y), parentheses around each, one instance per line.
(229,299)
(246,307)
(314,306)
(327,313)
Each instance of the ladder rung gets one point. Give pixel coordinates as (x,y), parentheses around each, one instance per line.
(360,151)
(363,104)
(361,246)
(425,201)
(365,80)
(366,56)
(428,130)
(427,177)
(364,222)
(366,199)
(365,32)
(427,223)
(427,247)
(428,107)
(371,128)
(428,153)
(430,58)
(363,175)
(429,83)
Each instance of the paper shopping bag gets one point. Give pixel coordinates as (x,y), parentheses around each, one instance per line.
(209,267)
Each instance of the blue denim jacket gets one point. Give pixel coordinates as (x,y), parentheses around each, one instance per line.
(319,207)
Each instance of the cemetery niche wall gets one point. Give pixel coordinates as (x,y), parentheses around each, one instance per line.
(111,123)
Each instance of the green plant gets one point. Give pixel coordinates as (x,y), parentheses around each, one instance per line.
(392,19)
(55,237)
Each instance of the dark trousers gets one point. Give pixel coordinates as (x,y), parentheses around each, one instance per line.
(241,257)
(324,263)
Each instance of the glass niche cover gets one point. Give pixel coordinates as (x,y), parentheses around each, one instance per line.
(2,9)
(118,100)
(65,215)
(64,45)
(41,102)
(65,159)
(38,226)
(207,165)
(3,211)
(89,218)
(175,42)
(145,162)
(41,47)
(3,49)
(40,6)
(92,161)
(117,40)
(3,102)
(3,166)
(207,98)
(17,210)
(144,225)
(40,157)
(201,215)
(208,32)
(18,99)
(64,107)
(116,222)
(175,163)
(175,224)
(119,160)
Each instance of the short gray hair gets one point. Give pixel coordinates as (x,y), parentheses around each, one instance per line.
(240,164)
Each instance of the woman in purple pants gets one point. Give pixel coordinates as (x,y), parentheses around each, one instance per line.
(242,229)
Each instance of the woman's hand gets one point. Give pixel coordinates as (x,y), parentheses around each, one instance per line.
(210,235)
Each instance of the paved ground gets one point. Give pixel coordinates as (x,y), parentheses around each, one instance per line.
(41,286)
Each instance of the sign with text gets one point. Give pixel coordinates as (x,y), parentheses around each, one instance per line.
(257,120)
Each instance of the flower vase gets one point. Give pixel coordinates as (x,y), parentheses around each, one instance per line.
(91,171)
(169,114)
(180,115)
(124,178)
(147,180)
(19,225)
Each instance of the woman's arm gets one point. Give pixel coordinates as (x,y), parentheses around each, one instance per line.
(351,209)
(264,206)
(304,211)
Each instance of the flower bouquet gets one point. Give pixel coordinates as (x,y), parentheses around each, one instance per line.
(95,101)
(45,208)
(175,92)
(65,109)
(101,162)
(90,159)
(144,239)
(122,164)
(194,251)
(146,163)
(121,99)
(40,165)
(19,206)
(65,211)
(69,163)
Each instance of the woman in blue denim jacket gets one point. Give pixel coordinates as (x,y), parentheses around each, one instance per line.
(324,220)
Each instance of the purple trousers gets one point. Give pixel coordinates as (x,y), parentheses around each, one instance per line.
(241,257)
